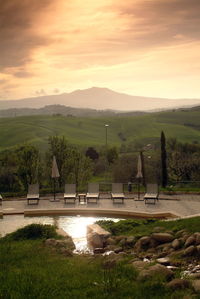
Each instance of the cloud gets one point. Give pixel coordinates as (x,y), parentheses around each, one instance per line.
(23,74)
(40,92)
(18,34)
(156,22)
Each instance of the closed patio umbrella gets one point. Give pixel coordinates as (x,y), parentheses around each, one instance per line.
(54,174)
(139,175)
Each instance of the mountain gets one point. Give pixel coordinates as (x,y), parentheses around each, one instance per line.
(99,98)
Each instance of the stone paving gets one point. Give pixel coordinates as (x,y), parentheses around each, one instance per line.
(181,205)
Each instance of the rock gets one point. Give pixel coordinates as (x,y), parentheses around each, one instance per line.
(163,261)
(94,240)
(110,241)
(190,241)
(197,238)
(65,251)
(162,237)
(97,236)
(65,243)
(158,270)
(50,242)
(118,249)
(122,242)
(142,243)
(110,248)
(144,240)
(178,283)
(196,285)
(189,250)
(119,238)
(176,244)
(130,241)
(139,265)
(198,249)
(180,233)
(68,244)
(99,250)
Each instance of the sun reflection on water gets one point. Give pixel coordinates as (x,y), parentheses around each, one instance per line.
(75,226)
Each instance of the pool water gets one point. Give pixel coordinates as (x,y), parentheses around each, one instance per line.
(75,226)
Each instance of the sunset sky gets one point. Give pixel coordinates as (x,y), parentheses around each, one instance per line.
(139,47)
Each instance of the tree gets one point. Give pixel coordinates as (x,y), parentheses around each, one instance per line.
(92,154)
(112,155)
(163,160)
(28,164)
(73,166)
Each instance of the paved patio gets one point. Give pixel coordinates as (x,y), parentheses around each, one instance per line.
(168,206)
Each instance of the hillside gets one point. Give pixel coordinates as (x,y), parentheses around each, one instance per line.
(182,124)
(99,98)
(63,110)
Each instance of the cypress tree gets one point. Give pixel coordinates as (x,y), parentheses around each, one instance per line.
(163,160)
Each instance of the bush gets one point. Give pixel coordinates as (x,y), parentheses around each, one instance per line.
(33,232)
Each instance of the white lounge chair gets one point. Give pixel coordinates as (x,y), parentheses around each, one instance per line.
(33,196)
(70,192)
(93,192)
(152,193)
(117,192)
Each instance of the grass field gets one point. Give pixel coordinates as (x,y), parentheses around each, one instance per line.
(184,125)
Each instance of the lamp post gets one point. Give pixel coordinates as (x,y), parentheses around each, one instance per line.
(106,158)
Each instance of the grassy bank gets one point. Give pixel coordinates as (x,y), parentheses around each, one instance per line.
(29,269)
(137,227)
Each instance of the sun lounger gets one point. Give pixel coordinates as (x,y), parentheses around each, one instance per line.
(33,194)
(117,192)
(70,192)
(93,192)
(152,193)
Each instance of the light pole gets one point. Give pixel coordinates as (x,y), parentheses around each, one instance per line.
(106,158)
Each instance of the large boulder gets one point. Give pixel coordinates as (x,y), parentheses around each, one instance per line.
(197,238)
(163,261)
(178,283)
(97,236)
(176,244)
(156,270)
(162,237)
(189,250)
(190,241)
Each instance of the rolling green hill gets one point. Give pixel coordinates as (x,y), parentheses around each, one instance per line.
(183,124)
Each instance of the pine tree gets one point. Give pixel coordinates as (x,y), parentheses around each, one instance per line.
(163,160)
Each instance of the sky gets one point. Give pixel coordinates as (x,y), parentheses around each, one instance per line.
(139,47)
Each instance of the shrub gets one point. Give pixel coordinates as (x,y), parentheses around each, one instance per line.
(32,232)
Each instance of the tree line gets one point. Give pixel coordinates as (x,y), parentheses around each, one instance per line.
(172,161)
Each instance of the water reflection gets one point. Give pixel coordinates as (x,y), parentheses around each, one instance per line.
(75,226)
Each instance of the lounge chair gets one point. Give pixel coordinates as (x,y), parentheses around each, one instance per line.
(70,192)
(1,199)
(152,193)
(33,194)
(117,192)
(93,192)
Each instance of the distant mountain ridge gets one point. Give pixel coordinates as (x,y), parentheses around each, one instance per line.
(100,99)
(63,110)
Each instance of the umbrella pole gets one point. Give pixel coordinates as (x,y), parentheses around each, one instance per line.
(138,188)
(54,188)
